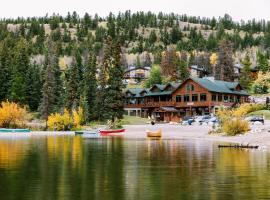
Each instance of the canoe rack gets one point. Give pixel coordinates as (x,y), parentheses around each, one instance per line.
(239,146)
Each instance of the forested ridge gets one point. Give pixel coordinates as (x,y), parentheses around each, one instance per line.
(55,62)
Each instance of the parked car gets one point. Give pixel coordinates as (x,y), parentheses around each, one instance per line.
(203,119)
(188,120)
(253,119)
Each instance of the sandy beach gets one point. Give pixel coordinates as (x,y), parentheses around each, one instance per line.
(258,135)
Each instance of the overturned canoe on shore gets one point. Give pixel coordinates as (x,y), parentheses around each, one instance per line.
(7,130)
(117,132)
(239,146)
(156,134)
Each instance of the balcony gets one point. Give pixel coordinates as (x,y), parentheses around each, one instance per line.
(159,104)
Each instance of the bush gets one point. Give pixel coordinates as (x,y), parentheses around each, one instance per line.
(12,115)
(66,121)
(246,108)
(235,126)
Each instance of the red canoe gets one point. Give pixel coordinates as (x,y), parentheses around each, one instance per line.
(111,132)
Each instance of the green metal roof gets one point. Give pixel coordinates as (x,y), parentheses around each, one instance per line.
(159,93)
(219,86)
(135,91)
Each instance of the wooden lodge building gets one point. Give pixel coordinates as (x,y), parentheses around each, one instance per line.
(195,96)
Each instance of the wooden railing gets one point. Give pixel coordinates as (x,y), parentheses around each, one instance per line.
(179,104)
(151,104)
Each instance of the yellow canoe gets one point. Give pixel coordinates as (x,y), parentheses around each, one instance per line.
(156,134)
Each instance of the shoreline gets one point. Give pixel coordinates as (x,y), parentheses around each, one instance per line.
(258,135)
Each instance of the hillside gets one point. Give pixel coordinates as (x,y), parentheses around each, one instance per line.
(138,33)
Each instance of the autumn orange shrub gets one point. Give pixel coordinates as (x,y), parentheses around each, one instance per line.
(12,115)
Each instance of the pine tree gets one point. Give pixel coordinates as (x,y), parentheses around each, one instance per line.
(5,68)
(73,84)
(102,110)
(246,78)
(90,87)
(52,85)
(115,101)
(183,72)
(34,85)
(20,66)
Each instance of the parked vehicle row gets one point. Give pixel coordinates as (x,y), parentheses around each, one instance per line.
(206,119)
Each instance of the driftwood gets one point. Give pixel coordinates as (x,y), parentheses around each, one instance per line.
(239,146)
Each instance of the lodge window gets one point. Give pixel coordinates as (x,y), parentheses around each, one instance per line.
(194,97)
(220,97)
(203,97)
(226,98)
(186,98)
(189,87)
(231,98)
(178,98)
(214,97)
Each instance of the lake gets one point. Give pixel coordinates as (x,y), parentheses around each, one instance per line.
(71,168)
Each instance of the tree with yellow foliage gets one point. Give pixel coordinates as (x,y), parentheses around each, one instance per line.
(12,115)
(213,59)
(262,84)
(66,121)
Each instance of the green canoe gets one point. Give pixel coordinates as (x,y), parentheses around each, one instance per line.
(7,130)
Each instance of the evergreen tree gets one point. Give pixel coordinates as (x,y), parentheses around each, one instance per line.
(102,110)
(5,68)
(175,35)
(115,100)
(73,84)
(90,87)
(152,37)
(20,66)
(34,85)
(246,78)
(52,84)
(183,72)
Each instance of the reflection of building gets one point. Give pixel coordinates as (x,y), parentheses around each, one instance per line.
(135,74)
(195,96)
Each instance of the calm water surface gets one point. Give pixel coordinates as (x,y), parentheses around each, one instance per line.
(72,168)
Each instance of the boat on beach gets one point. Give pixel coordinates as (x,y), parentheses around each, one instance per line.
(91,134)
(156,134)
(7,130)
(116,132)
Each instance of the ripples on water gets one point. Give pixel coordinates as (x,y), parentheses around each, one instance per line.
(67,167)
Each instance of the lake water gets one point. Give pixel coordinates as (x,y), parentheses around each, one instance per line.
(71,168)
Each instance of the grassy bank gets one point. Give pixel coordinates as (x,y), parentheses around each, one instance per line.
(265,113)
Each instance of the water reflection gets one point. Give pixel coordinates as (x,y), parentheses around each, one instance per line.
(72,168)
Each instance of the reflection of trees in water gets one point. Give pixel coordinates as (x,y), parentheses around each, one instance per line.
(12,152)
(73,168)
